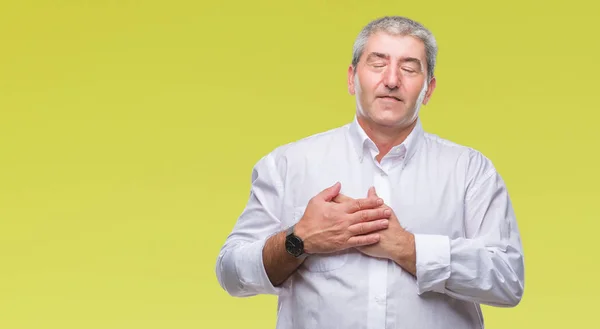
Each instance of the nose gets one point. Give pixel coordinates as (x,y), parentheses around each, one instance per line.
(392,77)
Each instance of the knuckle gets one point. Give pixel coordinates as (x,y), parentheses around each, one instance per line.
(338,244)
(357,205)
(362,229)
(364,216)
(352,241)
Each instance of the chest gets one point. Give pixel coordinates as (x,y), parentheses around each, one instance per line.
(426,198)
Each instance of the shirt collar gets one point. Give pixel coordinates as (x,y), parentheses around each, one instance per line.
(363,144)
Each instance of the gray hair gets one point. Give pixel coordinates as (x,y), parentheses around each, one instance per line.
(397,25)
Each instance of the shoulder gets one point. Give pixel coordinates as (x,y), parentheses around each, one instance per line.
(468,161)
(443,147)
(313,146)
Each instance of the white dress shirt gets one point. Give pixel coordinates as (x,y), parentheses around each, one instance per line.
(468,248)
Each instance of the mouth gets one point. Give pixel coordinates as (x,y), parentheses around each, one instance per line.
(390,98)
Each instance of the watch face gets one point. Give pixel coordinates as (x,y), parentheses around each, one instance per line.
(294,246)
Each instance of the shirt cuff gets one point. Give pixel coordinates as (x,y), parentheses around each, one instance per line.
(251,271)
(432,263)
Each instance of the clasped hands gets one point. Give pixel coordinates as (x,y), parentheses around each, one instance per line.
(334,222)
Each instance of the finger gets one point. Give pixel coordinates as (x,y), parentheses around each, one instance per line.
(363,204)
(341,198)
(370,215)
(368,227)
(363,240)
(331,192)
(372,193)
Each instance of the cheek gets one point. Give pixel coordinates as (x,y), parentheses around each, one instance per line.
(368,85)
(415,88)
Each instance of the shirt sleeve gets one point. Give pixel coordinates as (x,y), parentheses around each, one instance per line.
(239,268)
(487,265)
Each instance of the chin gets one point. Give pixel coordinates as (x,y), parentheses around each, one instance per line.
(387,116)
(389,119)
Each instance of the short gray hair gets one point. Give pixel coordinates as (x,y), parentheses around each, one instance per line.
(397,25)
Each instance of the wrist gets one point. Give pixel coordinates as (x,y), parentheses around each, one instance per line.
(300,232)
(294,244)
(405,254)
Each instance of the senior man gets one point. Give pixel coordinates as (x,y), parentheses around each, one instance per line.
(377,223)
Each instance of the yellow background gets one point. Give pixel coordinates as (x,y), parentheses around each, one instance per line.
(128,130)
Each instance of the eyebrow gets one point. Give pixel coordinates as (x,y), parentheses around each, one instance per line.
(376,54)
(411,59)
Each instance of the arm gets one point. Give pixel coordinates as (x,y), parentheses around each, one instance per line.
(254,260)
(254,253)
(486,266)
(279,264)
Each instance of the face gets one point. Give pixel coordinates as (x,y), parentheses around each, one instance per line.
(390,81)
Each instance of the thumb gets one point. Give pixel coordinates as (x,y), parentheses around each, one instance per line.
(331,192)
(372,192)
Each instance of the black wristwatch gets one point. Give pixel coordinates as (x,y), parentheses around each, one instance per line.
(293,244)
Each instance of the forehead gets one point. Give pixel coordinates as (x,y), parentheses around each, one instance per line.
(395,46)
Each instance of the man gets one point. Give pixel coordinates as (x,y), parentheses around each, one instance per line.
(378,224)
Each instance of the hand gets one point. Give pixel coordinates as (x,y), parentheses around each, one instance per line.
(395,242)
(327,226)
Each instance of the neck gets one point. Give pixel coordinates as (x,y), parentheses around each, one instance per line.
(385,137)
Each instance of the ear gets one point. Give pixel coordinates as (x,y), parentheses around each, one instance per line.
(351,89)
(429,91)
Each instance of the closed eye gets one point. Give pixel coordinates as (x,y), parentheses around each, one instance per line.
(378,64)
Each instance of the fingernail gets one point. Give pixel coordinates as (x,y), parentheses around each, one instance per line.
(379,202)
(387,212)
